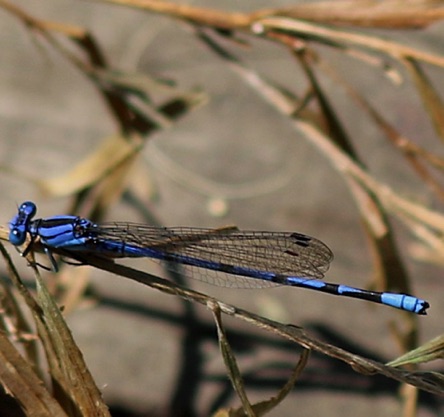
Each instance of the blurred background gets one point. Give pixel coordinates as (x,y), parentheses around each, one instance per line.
(217,154)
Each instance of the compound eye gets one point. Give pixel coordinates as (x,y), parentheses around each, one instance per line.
(17,237)
(29,208)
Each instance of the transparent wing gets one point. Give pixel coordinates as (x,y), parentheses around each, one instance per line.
(281,253)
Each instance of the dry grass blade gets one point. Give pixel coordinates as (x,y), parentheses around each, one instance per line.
(193,14)
(432,102)
(388,14)
(230,361)
(343,39)
(429,351)
(330,120)
(66,359)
